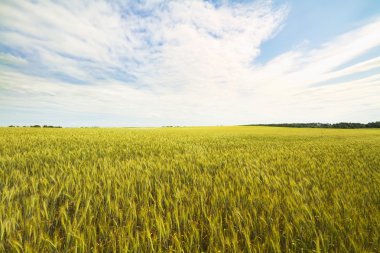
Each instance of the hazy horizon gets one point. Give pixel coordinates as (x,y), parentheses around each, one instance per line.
(190,63)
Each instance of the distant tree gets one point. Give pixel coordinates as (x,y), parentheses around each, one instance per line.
(35,126)
(373,124)
(47,126)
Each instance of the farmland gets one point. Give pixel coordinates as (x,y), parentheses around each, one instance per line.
(204,189)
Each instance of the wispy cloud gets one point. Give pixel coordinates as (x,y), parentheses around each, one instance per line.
(173,62)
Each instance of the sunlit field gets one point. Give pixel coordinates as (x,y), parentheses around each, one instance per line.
(204,189)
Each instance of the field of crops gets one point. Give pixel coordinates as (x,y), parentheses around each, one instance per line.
(209,189)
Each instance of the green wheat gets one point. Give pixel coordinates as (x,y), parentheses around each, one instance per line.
(210,189)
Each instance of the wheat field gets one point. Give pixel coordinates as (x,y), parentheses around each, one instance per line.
(203,189)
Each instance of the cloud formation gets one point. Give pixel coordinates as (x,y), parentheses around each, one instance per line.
(172,62)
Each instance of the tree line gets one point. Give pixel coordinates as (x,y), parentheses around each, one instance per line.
(344,125)
(38,126)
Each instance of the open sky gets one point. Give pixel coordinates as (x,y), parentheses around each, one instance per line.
(154,63)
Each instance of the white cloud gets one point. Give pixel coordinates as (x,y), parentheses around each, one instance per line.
(177,63)
(11,59)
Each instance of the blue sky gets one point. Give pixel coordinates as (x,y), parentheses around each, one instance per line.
(153,63)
